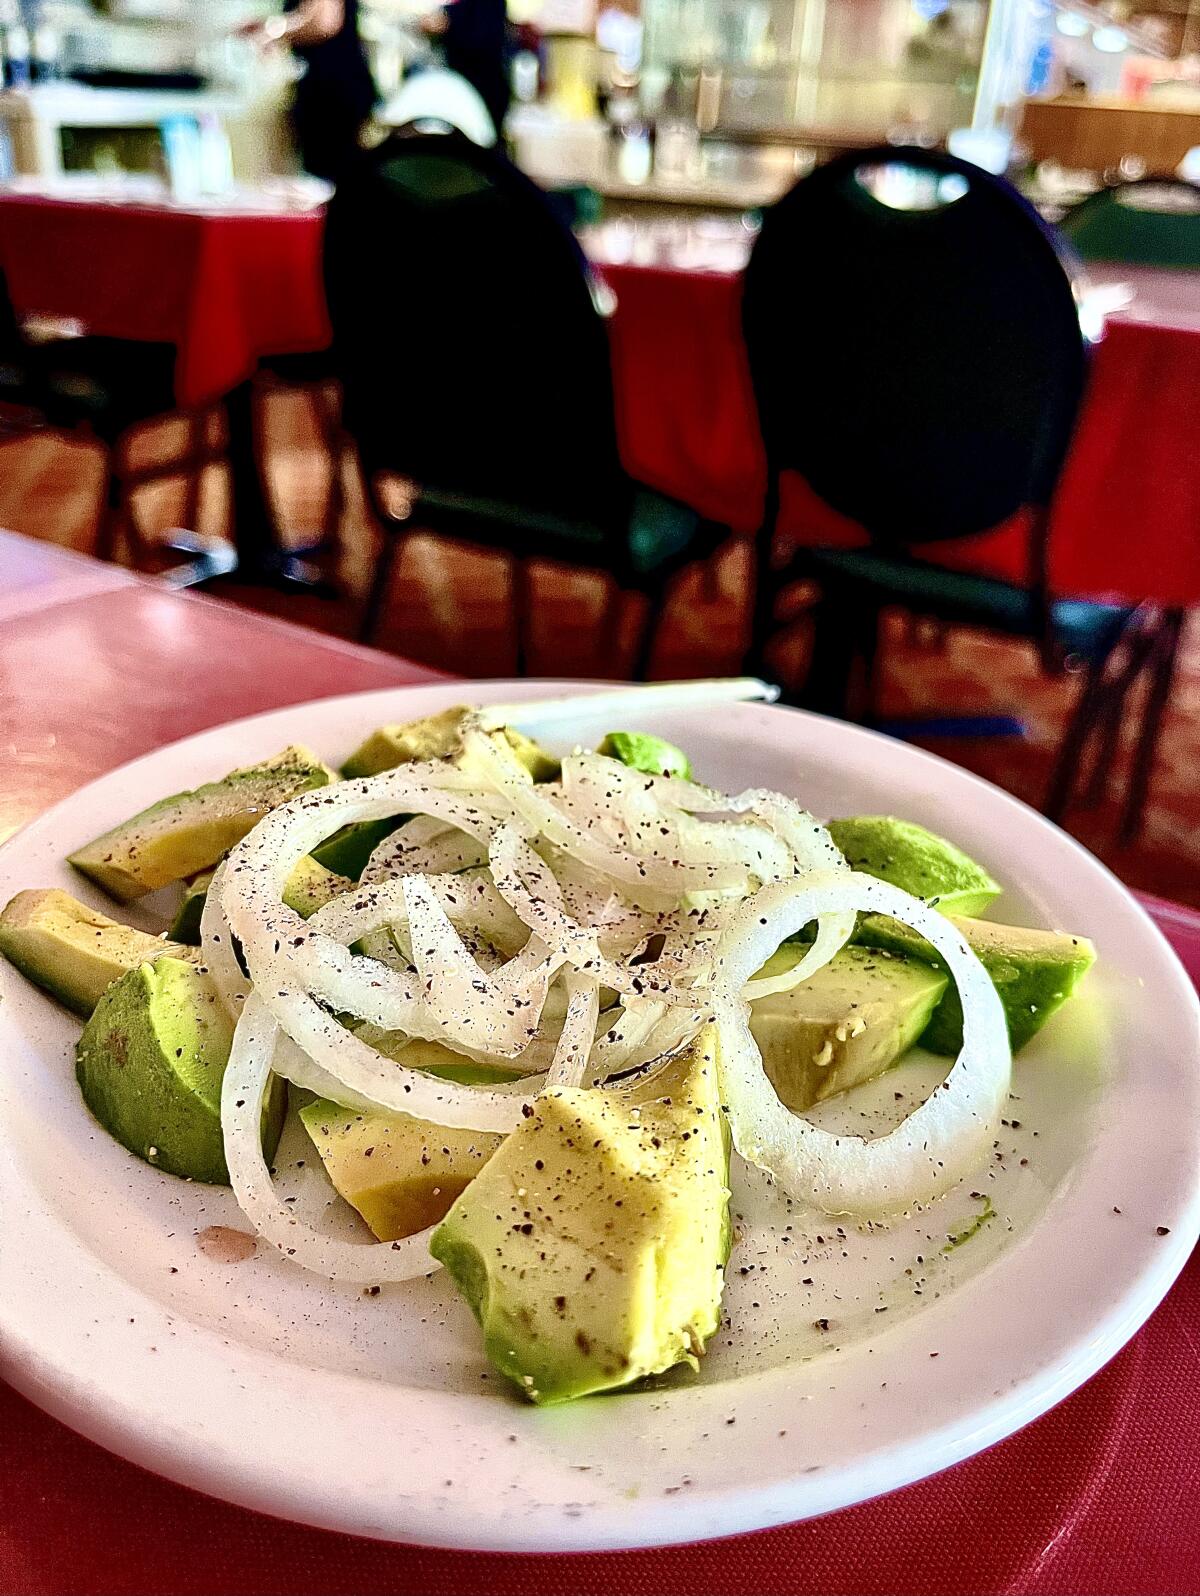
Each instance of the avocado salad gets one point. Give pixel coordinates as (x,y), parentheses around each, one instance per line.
(527,1007)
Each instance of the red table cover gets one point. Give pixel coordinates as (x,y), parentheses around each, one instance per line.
(1127,517)
(224,288)
(229,288)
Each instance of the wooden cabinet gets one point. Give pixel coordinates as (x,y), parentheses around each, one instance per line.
(1095,134)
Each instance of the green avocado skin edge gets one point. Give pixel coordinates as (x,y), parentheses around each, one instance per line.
(1034,972)
(150,1064)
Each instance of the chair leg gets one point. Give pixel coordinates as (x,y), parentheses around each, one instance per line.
(612,621)
(522,595)
(1140,639)
(111,513)
(1166,658)
(1092,706)
(1098,713)
(836,641)
(381,581)
(869,627)
(197,459)
(329,416)
(763,595)
(643,654)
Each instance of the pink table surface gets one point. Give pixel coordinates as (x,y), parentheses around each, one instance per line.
(1098,1496)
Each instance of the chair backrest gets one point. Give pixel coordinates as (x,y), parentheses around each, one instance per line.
(1154,221)
(921,367)
(473,356)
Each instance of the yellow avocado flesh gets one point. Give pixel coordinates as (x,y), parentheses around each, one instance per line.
(592,1246)
(190,832)
(848,1023)
(73,952)
(399,1172)
(439,737)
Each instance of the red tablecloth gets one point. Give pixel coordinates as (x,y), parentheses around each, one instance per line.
(230,288)
(224,288)
(1098,1498)
(1127,517)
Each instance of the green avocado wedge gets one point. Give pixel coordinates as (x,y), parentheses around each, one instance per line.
(190,832)
(592,1245)
(347,851)
(848,1023)
(185,927)
(310,887)
(73,952)
(402,1173)
(915,860)
(150,1064)
(439,737)
(1035,972)
(642,751)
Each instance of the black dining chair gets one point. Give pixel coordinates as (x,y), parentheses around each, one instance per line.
(916,355)
(474,362)
(1149,221)
(103,389)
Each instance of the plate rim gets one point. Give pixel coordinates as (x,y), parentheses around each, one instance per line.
(651,1522)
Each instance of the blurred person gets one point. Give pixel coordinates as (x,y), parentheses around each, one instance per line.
(335,94)
(475,43)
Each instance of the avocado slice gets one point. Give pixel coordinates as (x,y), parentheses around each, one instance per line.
(642,751)
(185,927)
(310,887)
(71,951)
(844,1025)
(150,1063)
(347,851)
(916,860)
(1035,972)
(401,1173)
(592,1245)
(440,737)
(191,831)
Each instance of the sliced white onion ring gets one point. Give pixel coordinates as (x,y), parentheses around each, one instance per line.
(571,1056)
(246,1077)
(939,1143)
(216,943)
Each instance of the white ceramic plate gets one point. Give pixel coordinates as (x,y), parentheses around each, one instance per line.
(264,1385)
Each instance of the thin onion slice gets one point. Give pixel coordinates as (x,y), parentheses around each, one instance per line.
(216,943)
(571,1056)
(940,1142)
(242,1091)
(499,1012)
(353,1063)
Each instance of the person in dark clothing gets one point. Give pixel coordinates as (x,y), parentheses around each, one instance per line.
(336,94)
(475,44)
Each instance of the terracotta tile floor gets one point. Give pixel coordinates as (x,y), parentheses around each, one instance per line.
(449,607)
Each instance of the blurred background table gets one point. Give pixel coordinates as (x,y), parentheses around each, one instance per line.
(1105,1483)
(230,286)
(1127,515)
(225,285)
